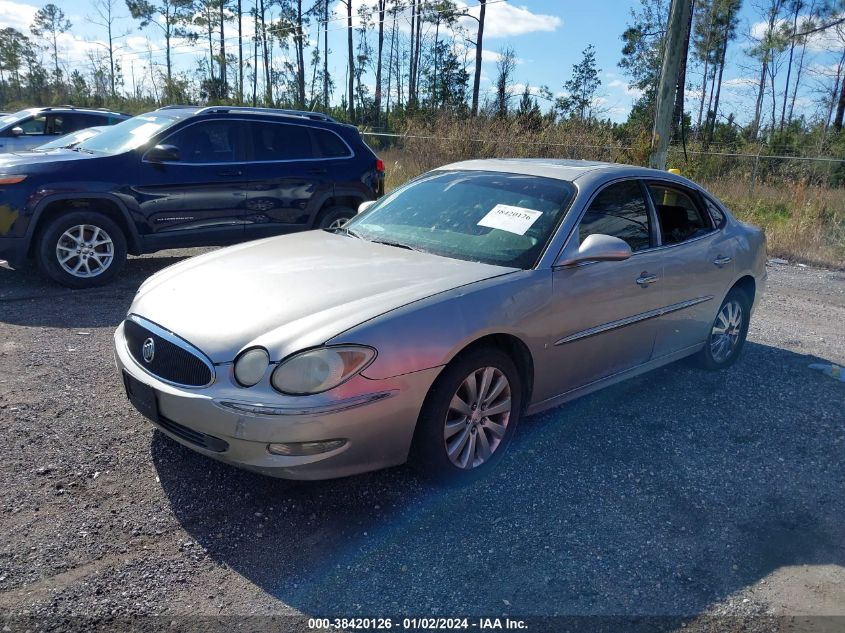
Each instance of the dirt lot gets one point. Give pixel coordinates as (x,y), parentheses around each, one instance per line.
(711,499)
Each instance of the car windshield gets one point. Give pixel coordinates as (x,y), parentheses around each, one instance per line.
(129,134)
(72,139)
(15,117)
(491,217)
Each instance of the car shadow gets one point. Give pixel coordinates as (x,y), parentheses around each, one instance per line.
(657,496)
(28,298)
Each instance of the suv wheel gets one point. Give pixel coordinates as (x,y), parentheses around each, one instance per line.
(335,217)
(81,249)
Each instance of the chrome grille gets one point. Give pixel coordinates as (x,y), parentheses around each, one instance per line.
(172,359)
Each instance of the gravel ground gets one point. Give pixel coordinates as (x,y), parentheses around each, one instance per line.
(712,500)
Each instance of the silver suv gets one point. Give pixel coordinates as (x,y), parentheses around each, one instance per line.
(27,129)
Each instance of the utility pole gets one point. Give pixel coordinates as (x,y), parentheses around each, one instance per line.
(676,36)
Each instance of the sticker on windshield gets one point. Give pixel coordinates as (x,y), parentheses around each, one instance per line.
(511,219)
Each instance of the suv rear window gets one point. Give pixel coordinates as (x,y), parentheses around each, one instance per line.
(280,141)
(330,144)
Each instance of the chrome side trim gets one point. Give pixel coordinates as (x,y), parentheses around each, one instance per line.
(170,337)
(262,409)
(642,316)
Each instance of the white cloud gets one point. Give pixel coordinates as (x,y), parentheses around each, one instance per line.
(16,15)
(507,20)
(501,19)
(494,56)
(619,84)
(827,40)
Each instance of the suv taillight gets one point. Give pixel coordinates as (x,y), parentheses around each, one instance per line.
(380,165)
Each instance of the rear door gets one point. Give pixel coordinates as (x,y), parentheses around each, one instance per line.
(288,179)
(606,310)
(201,198)
(697,266)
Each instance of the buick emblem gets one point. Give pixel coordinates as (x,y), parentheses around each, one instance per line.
(148,350)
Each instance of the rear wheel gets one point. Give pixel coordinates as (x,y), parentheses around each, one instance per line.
(727,333)
(469,417)
(335,217)
(81,249)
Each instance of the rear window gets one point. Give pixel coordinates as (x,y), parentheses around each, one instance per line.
(330,144)
(280,141)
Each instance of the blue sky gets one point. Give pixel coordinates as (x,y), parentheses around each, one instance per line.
(547,35)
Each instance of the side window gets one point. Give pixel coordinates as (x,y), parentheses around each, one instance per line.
(34,126)
(280,141)
(330,144)
(207,142)
(716,214)
(619,210)
(58,124)
(679,217)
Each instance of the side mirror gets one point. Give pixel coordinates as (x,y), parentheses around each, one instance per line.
(596,248)
(365,205)
(163,153)
(17,131)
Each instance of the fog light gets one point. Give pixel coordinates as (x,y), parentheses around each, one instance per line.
(299,449)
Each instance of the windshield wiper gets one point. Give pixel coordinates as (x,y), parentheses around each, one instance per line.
(79,149)
(396,244)
(349,232)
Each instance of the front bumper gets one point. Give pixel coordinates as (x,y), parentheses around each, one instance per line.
(376,418)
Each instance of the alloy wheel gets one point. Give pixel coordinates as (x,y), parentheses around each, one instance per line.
(85,251)
(477,418)
(338,223)
(726,332)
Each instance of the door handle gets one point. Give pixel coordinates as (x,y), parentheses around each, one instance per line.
(721,261)
(645,280)
(229,172)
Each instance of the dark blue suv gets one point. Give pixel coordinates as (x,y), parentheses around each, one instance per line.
(177,177)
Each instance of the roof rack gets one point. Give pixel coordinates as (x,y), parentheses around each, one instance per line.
(306,114)
(70,107)
(177,106)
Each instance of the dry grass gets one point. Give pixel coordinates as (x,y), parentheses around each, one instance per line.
(802,222)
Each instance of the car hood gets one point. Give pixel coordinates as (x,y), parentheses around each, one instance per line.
(15,159)
(292,292)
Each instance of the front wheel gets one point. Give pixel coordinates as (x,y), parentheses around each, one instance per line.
(727,333)
(469,417)
(81,249)
(335,217)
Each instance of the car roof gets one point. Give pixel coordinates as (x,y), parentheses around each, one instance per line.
(69,108)
(564,169)
(188,110)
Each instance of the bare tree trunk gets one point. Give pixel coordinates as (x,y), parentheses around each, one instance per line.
(300,57)
(758,105)
(678,114)
(390,64)
(224,92)
(412,72)
(722,57)
(382,7)
(268,87)
(479,44)
(840,109)
(326,54)
(797,82)
(797,6)
(351,51)
(240,54)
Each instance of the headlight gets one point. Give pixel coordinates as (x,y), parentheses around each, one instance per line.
(319,370)
(251,365)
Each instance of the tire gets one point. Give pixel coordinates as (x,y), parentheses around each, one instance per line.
(334,217)
(430,451)
(97,261)
(721,351)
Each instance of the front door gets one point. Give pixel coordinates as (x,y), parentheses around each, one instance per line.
(199,199)
(606,310)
